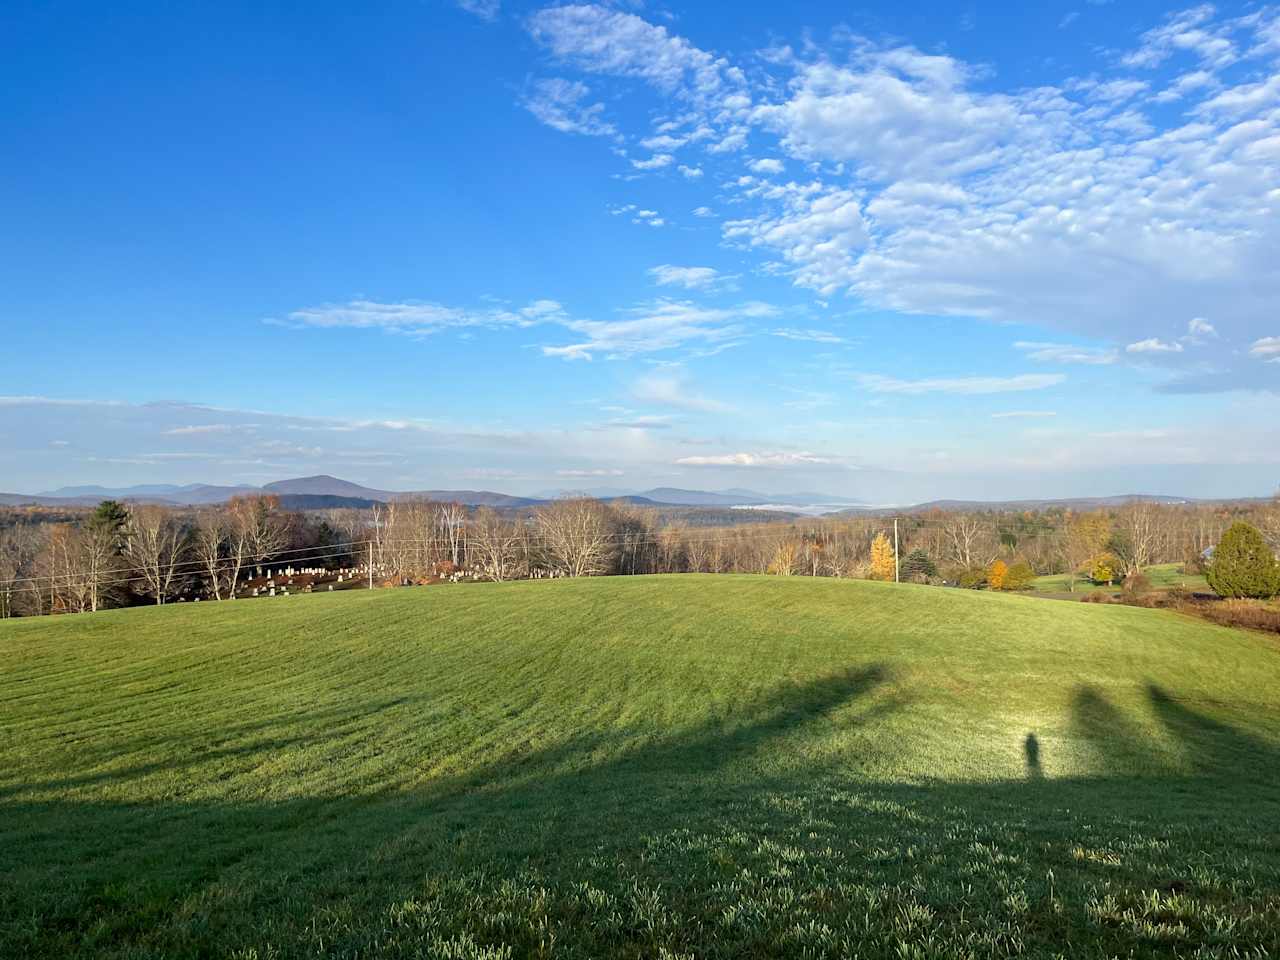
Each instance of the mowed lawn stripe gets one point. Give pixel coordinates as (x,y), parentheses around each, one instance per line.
(713,766)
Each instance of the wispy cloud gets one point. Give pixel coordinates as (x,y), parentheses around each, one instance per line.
(484,9)
(674,390)
(1066,353)
(418,318)
(814,336)
(563,105)
(691,278)
(755,460)
(662,325)
(1153,345)
(961,385)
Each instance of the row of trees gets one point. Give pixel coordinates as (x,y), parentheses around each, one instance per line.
(119,555)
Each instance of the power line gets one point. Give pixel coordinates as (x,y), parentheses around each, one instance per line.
(825,528)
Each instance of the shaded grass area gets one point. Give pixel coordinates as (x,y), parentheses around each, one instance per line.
(693,766)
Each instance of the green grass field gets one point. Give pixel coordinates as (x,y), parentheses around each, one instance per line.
(1163,576)
(674,767)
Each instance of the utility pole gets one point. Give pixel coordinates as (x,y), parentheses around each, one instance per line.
(370,564)
(896,577)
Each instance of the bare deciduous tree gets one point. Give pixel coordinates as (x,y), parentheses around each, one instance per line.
(155,547)
(496,542)
(255,533)
(577,536)
(79,565)
(451,519)
(1137,522)
(209,546)
(1270,523)
(964,534)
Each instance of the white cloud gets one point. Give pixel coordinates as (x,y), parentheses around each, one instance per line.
(1199,326)
(662,143)
(1082,207)
(662,325)
(898,113)
(656,162)
(1153,345)
(1023,414)
(1190,31)
(819,236)
(1186,84)
(703,212)
(560,105)
(1266,347)
(691,278)
(649,218)
(1066,353)
(601,472)
(767,165)
(417,318)
(605,41)
(484,9)
(205,428)
(814,336)
(755,460)
(960,385)
(690,173)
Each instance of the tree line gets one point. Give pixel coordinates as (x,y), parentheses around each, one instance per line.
(123,554)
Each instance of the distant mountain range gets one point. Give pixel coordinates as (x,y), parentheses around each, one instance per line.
(733,497)
(325,492)
(308,492)
(299,493)
(1067,503)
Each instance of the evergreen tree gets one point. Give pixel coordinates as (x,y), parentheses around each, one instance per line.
(917,565)
(1243,565)
(109,524)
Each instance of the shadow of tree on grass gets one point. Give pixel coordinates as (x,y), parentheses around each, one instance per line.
(731,839)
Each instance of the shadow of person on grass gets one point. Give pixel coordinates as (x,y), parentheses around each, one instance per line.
(88,875)
(1031,750)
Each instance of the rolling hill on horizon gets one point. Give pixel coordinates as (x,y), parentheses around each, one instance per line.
(323,485)
(322,491)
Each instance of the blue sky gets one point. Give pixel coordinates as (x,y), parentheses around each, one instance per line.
(893,252)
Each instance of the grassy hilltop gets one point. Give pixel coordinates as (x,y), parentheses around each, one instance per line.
(690,766)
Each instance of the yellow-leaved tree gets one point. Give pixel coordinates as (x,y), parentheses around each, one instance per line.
(882,559)
(997,575)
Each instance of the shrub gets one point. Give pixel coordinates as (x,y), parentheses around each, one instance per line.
(1136,584)
(1019,576)
(1250,614)
(1243,565)
(1103,569)
(974,578)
